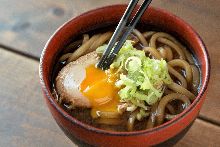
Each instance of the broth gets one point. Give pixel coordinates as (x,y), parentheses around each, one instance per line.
(83,114)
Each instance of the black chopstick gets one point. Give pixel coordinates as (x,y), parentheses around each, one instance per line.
(129,29)
(117,33)
(110,52)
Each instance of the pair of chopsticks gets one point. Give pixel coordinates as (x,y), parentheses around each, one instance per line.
(111,51)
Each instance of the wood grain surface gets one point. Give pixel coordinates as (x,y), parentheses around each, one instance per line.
(201,134)
(24,118)
(26,122)
(26,25)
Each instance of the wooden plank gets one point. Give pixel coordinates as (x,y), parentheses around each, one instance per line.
(27,25)
(25,120)
(202,134)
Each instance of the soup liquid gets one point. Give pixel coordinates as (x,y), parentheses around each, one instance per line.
(83,114)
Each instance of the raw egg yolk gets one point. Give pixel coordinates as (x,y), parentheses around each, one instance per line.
(99,87)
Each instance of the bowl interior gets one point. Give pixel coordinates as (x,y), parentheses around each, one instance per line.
(100,18)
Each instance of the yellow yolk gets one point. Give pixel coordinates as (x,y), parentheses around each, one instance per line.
(99,87)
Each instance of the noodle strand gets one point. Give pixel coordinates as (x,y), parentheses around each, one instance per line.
(82,49)
(140,37)
(185,65)
(177,88)
(165,100)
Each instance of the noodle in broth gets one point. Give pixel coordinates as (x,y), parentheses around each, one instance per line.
(180,93)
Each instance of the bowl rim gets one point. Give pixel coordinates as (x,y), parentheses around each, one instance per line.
(70,118)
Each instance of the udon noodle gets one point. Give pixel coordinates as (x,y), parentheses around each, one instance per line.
(177,96)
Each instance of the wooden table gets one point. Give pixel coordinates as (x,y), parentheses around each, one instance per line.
(26,25)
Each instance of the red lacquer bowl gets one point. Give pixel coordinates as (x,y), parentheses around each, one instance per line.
(168,132)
